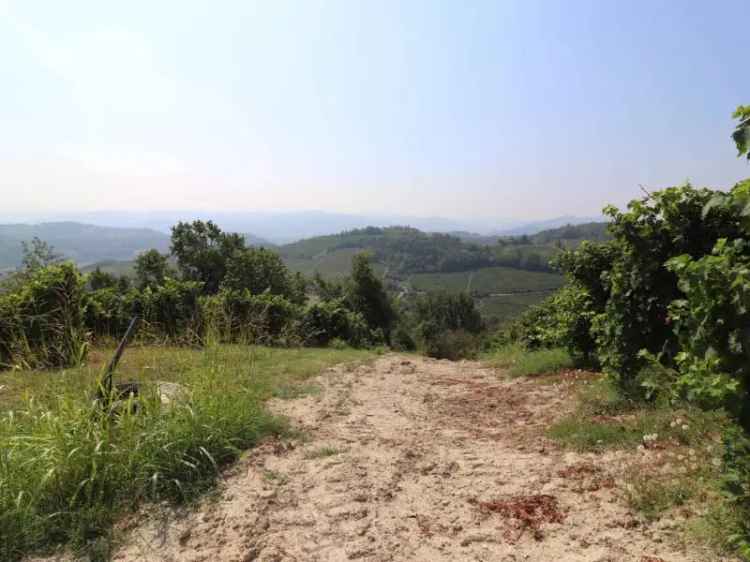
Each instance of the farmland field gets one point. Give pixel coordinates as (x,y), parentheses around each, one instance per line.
(488,281)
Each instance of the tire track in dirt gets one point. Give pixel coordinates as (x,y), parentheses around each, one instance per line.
(412,459)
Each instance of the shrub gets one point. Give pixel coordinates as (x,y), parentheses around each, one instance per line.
(737,482)
(325,321)
(452,344)
(259,271)
(711,323)
(169,311)
(448,325)
(402,339)
(661,226)
(40,321)
(561,320)
(240,316)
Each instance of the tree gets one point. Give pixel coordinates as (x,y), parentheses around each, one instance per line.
(367,295)
(741,135)
(38,254)
(258,270)
(202,252)
(151,268)
(99,279)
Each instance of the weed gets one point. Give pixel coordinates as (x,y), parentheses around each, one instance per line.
(275,477)
(322,453)
(520,362)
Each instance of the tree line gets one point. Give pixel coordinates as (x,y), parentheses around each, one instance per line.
(210,287)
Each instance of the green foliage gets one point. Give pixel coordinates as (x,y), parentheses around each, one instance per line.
(562,320)
(451,344)
(37,254)
(712,324)
(325,321)
(40,321)
(590,231)
(259,271)
(99,279)
(402,249)
(741,135)
(241,316)
(665,224)
(402,339)
(521,362)
(168,311)
(736,483)
(366,295)
(448,325)
(151,269)
(203,252)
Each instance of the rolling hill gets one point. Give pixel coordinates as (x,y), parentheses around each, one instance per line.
(504,274)
(82,243)
(112,248)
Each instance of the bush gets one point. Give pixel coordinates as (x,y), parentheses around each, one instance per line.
(169,311)
(711,324)
(402,339)
(448,325)
(240,316)
(40,321)
(453,345)
(737,481)
(666,224)
(561,320)
(328,320)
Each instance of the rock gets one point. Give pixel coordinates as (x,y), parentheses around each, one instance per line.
(171,393)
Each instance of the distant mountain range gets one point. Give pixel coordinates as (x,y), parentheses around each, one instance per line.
(87,243)
(83,243)
(281,227)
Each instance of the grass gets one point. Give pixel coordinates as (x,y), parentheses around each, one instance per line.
(67,470)
(323,452)
(332,264)
(488,281)
(520,362)
(504,308)
(676,462)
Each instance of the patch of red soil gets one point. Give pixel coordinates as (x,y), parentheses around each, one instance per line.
(526,512)
(588,478)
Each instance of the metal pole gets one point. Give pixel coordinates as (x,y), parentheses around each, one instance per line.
(109,373)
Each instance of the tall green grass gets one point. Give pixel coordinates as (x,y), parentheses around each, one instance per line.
(67,470)
(520,362)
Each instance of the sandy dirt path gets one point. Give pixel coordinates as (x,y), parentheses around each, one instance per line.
(414,459)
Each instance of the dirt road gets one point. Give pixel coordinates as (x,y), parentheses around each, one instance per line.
(414,459)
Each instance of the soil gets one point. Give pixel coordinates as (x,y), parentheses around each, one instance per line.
(414,459)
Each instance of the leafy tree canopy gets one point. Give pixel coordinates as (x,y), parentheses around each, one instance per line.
(741,135)
(151,269)
(203,251)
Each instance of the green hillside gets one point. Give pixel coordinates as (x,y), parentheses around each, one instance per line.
(488,281)
(82,243)
(505,275)
(402,250)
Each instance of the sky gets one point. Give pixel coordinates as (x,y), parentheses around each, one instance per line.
(525,109)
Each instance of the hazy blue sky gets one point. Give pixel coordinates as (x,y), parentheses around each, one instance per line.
(510,109)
